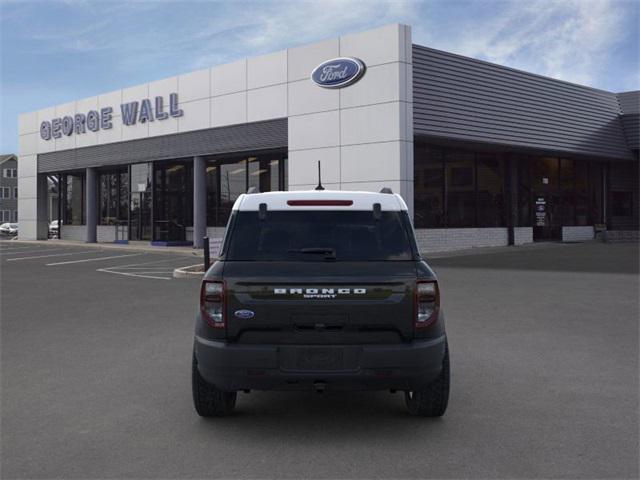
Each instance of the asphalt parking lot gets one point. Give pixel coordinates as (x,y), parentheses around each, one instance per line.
(96,376)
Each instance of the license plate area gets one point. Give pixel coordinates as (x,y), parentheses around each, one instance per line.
(318,358)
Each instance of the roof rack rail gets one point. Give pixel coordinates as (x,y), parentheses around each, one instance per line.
(253,189)
(386,190)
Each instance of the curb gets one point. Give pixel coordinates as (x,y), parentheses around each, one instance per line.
(188,272)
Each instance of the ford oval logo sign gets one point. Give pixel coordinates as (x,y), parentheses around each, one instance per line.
(244,314)
(338,73)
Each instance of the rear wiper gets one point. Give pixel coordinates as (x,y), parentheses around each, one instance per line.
(330,253)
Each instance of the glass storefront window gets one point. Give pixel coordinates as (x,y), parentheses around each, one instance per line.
(549,191)
(113,197)
(123,196)
(140,201)
(73,201)
(567,191)
(141,177)
(581,196)
(461,189)
(173,200)
(428,187)
(524,190)
(621,204)
(623,212)
(233,183)
(228,178)
(457,189)
(213,193)
(491,201)
(595,192)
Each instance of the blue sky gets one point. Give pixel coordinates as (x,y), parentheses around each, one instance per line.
(57,51)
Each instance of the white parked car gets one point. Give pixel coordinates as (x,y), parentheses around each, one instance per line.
(53,229)
(9,228)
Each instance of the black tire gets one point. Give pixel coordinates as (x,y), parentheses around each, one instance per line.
(432,400)
(209,400)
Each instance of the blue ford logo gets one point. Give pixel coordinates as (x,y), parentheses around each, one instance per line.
(244,314)
(338,73)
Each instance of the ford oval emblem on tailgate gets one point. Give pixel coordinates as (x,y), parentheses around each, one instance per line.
(244,314)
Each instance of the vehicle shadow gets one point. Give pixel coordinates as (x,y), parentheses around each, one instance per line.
(293,417)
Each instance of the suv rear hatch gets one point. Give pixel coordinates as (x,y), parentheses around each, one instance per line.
(319,277)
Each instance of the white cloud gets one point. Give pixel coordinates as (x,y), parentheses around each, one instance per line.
(269,26)
(569,40)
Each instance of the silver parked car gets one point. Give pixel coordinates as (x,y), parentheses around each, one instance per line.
(9,229)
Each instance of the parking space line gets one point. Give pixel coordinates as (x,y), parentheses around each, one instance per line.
(143,269)
(172,259)
(51,255)
(92,259)
(15,249)
(39,250)
(151,270)
(139,275)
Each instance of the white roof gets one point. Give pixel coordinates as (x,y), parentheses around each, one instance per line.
(360,200)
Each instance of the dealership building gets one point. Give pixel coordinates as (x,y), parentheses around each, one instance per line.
(484,155)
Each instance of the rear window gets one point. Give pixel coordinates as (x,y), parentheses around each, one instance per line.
(320,236)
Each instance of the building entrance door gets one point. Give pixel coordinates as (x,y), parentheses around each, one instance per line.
(546,201)
(546,225)
(140,219)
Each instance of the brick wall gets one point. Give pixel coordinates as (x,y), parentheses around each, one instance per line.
(74,232)
(107,233)
(616,236)
(448,239)
(215,232)
(577,234)
(522,235)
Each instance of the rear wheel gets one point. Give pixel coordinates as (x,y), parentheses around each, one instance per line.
(432,400)
(209,400)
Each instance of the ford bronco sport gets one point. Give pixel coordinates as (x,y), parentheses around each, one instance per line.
(320,290)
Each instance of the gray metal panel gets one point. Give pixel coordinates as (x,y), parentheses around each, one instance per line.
(235,138)
(630,108)
(631,127)
(629,101)
(460,98)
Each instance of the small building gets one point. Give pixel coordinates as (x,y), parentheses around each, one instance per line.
(484,155)
(9,188)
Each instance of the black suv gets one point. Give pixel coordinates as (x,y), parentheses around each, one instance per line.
(320,290)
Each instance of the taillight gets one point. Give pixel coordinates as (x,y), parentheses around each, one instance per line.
(427,303)
(212,303)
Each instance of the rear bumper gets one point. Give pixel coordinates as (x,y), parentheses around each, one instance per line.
(232,367)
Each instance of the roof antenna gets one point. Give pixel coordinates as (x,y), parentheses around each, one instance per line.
(319,187)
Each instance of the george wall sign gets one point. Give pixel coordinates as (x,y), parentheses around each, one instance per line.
(338,72)
(94,120)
